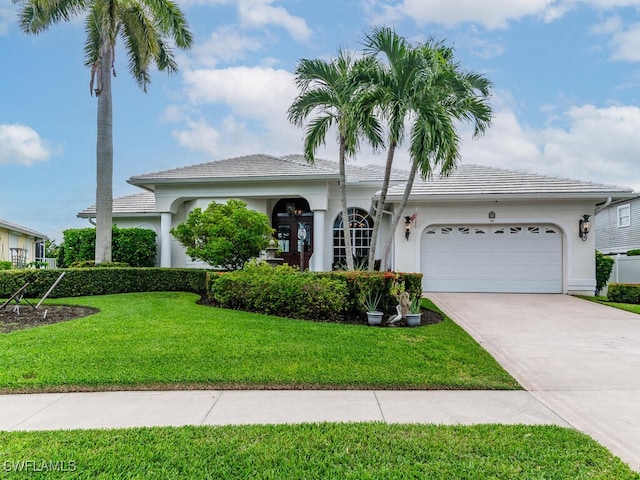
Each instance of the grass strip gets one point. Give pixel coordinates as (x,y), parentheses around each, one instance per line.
(312,451)
(165,340)
(629,307)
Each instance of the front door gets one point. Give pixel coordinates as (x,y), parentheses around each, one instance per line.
(293,222)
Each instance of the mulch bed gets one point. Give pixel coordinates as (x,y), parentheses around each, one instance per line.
(30,317)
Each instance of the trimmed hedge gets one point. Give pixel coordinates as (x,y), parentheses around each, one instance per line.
(288,292)
(103,281)
(5,265)
(624,293)
(633,253)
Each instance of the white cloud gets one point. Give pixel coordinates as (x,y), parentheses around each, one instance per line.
(257,13)
(226,44)
(625,44)
(21,145)
(598,144)
(256,92)
(494,14)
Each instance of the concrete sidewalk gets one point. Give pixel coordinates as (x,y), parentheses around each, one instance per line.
(175,408)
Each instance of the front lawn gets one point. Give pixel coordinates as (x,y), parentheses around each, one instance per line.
(165,340)
(629,307)
(313,451)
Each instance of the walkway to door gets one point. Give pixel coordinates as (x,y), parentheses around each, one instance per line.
(579,358)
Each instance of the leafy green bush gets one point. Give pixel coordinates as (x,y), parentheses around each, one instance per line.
(133,246)
(104,281)
(604,266)
(224,235)
(624,293)
(5,265)
(286,289)
(92,263)
(633,253)
(283,291)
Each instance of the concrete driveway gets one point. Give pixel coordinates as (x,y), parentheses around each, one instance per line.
(579,358)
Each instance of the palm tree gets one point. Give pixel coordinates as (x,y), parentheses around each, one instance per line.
(421,86)
(395,83)
(444,95)
(146,28)
(336,92)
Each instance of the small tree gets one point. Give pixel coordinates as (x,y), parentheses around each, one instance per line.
(224,235)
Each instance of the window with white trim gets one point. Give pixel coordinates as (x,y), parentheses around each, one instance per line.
(624,215)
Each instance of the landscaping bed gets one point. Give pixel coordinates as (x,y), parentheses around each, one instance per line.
(29,317)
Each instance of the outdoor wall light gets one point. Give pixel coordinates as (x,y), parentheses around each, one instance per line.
(407,227)
(584,225)
(492,216)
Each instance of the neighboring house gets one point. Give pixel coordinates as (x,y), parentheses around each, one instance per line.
(618,226)
(20,245)
(481,229)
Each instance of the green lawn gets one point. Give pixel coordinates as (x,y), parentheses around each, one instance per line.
(165,340)
(629,307)
(314,451)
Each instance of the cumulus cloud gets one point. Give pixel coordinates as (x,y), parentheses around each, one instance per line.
(492,15)
(596,144)
(256,92)
(21,145)
(226,44)
(257,13)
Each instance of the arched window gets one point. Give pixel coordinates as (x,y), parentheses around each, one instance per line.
(361,226)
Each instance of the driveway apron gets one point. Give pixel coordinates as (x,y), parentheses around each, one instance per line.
(579,358)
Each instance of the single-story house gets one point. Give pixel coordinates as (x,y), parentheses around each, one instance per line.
(481,229)
(20,245)
(618,226)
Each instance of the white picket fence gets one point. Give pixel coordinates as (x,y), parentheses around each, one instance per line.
(625,270)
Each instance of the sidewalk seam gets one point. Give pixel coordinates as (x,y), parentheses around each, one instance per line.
(215,402)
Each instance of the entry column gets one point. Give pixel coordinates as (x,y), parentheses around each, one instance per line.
(318,240)
(165,239)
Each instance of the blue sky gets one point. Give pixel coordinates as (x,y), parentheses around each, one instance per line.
(566,76)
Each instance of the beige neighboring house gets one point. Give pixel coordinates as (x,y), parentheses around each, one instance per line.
(482,229)
(20,245)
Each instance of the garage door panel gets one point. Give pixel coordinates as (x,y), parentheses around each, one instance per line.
(492,258)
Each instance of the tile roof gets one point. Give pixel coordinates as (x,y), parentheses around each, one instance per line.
(476,181)
(131,204)
(19,228)
(261,166)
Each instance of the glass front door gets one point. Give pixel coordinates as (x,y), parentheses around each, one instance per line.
(293,222)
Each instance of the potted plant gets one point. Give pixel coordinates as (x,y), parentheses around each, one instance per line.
(370,302)
(415,311)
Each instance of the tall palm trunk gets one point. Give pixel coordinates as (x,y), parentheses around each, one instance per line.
(342,183)
(398,215)
(380,208)
(104,157)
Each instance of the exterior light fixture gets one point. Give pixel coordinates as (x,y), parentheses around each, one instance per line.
(407,227)
(492,216)
(584,225)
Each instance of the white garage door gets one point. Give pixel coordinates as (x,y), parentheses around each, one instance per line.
(492,258)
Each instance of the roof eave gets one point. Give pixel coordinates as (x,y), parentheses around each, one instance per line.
(433,197)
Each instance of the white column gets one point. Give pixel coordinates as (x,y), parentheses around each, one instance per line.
(165,239)
(319,231)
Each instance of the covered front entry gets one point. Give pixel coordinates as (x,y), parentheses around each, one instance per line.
(293,221)
(492,258)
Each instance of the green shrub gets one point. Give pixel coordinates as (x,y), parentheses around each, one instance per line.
(92,263)
(624,293)
(5,265)
(133,246)
(604,266)
(104,281)
(283,291)
(633,253)
(286,289)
